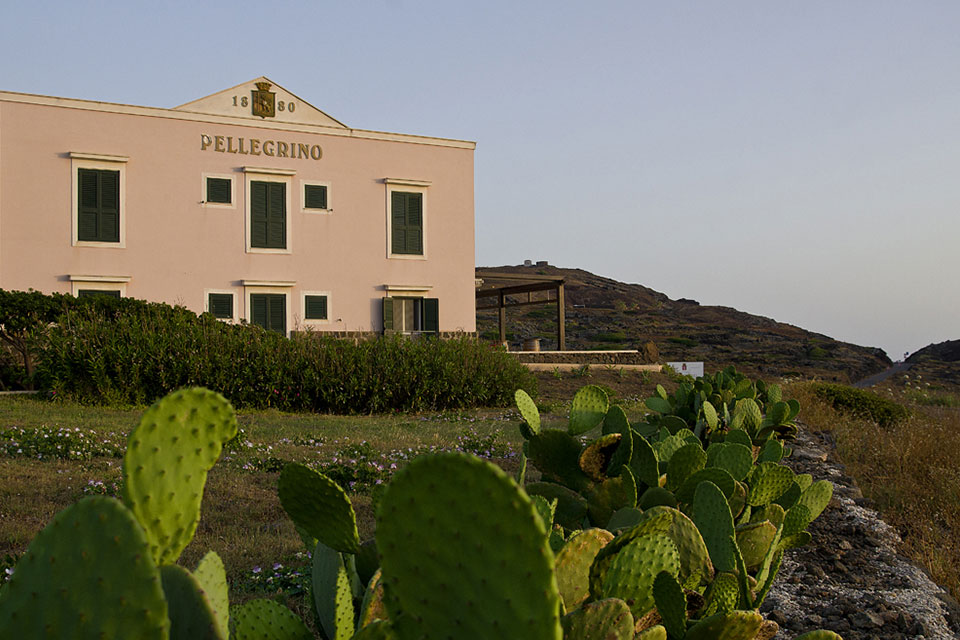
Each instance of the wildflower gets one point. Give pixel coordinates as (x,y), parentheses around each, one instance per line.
(256,569)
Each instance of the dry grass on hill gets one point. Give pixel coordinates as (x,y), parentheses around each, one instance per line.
(911,470)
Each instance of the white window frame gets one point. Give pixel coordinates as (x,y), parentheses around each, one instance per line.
(304,321)
(285,287)
(99,283)
(409,186)
(303,197)
(218,205)
(206,303)
(103,162)
(258,174)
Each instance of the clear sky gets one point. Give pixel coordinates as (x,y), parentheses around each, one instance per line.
(797,160)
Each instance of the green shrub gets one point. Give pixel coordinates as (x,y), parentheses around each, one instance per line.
(861,403)
(612,336)
(686,342)
(134,354)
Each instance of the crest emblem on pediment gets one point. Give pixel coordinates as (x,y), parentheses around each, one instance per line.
(263,102)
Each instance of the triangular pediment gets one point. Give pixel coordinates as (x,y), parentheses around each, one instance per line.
(261,100)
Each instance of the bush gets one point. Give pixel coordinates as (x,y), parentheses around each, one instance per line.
(861,403)
(134,354)
(686,342)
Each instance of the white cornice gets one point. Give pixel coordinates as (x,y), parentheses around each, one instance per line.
(268,283)
(174,114)
(78,278)
(406,182)
(100,157)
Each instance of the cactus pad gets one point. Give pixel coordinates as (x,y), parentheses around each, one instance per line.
(528,410)
(616,420)
(191,615)
(602,620)
(820,634)
(588,409)
(658,404)
(376,630)
(557,455)
(644,462)
(88,574)
(712,516)
(717,476)
(657,632)
(266,620)
(573,565)
(213,580)
(733,625)
(735,458)
(635,567)
(816,497)
(624,519)
(472,585)
(686,461)
(331,593)
(165,468)
(768,481)
(754,541)
(610,495)
(671,604)
(571,507)
(373,607)
(319,506)
(739,436)
(596,456)
(656,496)
(722,595)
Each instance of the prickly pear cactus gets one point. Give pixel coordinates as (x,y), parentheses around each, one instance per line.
(266,620)
(88,574)
(733,625)
(635,567)
(602,620)
(711,514)
(671,603)
(191,615)
(165,468)
(331,593)
(458,510)
(573,565)
(319,506)
(588,409)
(819,635)
(212,577)
(528,410)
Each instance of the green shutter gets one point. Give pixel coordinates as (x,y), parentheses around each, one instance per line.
(398,225)
(406,216)
(277,216)
(269,310)
(221,305)
(431,315)
(315,196)
(315,308)
(98,210)
(258,215)
(258,309)
(219,190)
(90,293)
(414,224)
(388,314)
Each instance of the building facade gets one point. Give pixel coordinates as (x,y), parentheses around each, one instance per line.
(250,204)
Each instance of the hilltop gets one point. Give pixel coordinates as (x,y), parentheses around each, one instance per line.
(602,313)
(938,363)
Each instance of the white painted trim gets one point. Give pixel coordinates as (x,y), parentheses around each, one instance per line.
(270,172)
(97,285)
(309,322)
(260,176)
(303,197)
(172,114)
(81,161)
(269,283)
(407,288)
(407,183)
(233,294)
(422,190)
(251,287)
(98,157)
(218,205)
(115,279)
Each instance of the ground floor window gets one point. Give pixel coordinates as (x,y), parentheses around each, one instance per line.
(269,310)
(90,293)
(411,315)
(220,305)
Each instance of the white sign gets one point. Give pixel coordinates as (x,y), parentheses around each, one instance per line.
(693,369)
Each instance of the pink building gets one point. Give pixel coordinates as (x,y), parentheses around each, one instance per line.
(250,203)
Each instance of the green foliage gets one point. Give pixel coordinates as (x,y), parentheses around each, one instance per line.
(132,353)
(861,403)
(686,342)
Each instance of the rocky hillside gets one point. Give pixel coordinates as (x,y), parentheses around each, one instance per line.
(938,362)
(607,314)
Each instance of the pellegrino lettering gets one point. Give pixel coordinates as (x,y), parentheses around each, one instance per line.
(255,147)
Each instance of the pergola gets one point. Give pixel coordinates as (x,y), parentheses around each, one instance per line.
(509,288)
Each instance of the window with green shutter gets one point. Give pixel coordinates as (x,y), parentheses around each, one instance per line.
(219,190)
(269,310)
(315,196)
(98,195)
(220,305)
(268,215)
(411,315)
(315,307)
(406,215)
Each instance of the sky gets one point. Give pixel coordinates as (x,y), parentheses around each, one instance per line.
(796,160)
